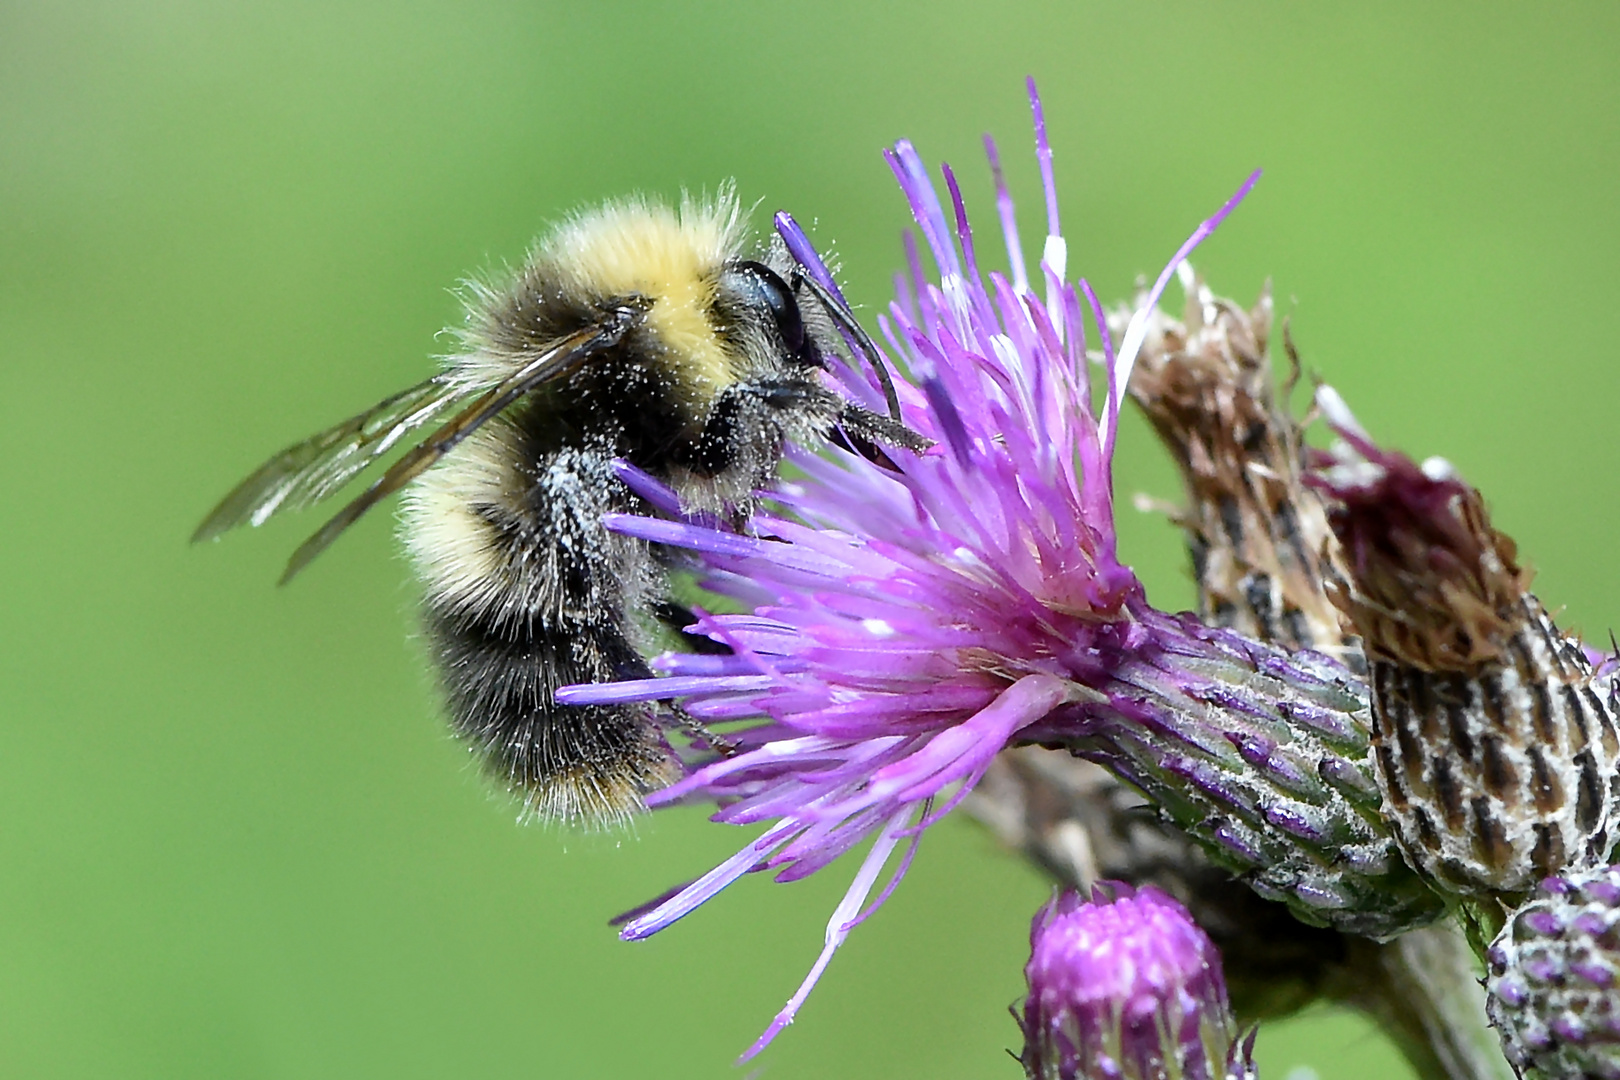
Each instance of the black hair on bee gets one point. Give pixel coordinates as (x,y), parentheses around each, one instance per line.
(633,332)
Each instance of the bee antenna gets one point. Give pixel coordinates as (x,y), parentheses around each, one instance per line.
(846,322)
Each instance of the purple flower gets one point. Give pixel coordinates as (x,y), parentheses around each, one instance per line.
(912,617)
(1126,987)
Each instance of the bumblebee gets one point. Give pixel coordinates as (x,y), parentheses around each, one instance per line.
(634,332)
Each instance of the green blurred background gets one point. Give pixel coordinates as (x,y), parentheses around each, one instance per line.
(237,840)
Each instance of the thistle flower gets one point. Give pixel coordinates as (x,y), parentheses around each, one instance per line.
(1553,993)
(914,615)
(1496,738)
(1127,987)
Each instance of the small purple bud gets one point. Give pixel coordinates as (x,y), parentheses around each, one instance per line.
(1126,986)
(1553,968)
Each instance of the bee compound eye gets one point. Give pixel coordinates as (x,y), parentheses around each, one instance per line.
(763,287)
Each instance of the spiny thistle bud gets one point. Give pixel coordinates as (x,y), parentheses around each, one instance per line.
(1127,987)
(1554,984)
(1494,738)
(1261,756)
(1258,537)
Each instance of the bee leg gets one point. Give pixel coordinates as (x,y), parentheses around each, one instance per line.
(749,419)
(862,447)
(699,732)
(855,334)
(802,411)
(679,617)
(868,426)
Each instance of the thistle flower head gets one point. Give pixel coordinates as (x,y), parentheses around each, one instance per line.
(1496,740)
(913,615)
(1553,991)
(1126,987)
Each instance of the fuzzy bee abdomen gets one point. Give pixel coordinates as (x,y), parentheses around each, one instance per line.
(525,592)
(570,763)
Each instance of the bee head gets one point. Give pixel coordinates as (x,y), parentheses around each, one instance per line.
(761,290)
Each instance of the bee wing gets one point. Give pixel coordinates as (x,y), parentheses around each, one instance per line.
(553,362)
(307,472)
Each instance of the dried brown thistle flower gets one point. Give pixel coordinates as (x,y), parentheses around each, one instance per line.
(1495,736)
(1259,539)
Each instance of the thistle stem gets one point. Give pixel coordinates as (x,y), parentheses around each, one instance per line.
(1423,990)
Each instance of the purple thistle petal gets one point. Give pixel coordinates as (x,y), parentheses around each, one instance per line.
(1009,219)
(687,900)
(702,664)
(649,487)
(617,693)
(1136,329)
(820,844)
(805,254)
(960,749)
(681,534)
(1055,254)
(909,170)
(964,231)
(1110,423)
(844,918)
(799,246)
(915,834)
(919,282)
(1043,154)
(950,421)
